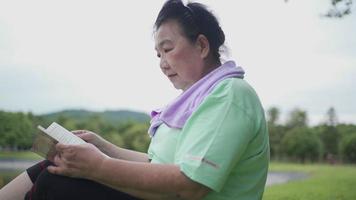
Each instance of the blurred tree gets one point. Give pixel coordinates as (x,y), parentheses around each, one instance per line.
(95,123)
(66,122)
(339,8)
(330,138)
(329,135)
(297,118)
(115,138)
(348,148)
(346,129)
(136,137)
(16,130)
(273,115)
(301,144)
(276,132)
(331,118)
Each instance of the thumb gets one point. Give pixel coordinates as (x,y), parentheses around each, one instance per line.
(60,147)
(54,170)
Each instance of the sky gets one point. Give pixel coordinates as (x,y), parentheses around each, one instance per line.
(99,55)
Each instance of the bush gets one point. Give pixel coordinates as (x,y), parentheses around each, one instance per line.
(301,144)
(348,148)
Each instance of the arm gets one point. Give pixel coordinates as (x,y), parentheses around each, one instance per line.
(143,180)
(166,180)
(110,149)
(124,154)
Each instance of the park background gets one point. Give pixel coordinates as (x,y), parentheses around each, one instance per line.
(92,65)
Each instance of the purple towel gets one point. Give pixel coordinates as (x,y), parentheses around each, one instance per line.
(175,114)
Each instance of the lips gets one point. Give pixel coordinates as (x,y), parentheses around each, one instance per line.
(171,75)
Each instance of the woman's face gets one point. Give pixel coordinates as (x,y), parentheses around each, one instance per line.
(180,60)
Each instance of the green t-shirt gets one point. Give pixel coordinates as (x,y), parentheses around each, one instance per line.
(223,145)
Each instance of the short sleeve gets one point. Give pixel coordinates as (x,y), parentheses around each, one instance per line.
(214,138)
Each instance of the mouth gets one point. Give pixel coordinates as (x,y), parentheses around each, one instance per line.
(171,75)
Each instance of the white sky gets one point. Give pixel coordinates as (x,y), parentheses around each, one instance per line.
(99,55)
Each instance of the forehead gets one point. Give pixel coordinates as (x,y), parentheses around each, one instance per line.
(169,31)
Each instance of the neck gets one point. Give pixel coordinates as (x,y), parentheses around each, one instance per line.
(208,67)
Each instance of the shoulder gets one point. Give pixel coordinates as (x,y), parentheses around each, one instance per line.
(235,95)
(236,90)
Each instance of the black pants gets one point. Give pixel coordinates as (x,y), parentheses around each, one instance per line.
(47,186)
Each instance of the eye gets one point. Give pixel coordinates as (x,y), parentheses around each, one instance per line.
(167,50)
(158,55)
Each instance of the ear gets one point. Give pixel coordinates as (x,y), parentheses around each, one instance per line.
(203,45)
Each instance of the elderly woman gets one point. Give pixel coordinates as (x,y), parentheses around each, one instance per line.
(211,142)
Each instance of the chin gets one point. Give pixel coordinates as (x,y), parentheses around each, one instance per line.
(178,87)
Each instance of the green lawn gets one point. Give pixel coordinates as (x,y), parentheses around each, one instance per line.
(325,182)
(26,155)
(8,175)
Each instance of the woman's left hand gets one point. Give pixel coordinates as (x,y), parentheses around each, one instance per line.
(80,161)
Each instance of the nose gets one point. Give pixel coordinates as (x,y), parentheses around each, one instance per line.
(163,64)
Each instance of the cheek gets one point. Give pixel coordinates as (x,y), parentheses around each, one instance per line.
(181,59)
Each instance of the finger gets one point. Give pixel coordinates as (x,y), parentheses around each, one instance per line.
(57,160)
(79,131)
(84,135)
(55,170)
(60,147)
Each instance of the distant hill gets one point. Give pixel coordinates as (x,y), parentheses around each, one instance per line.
(110,116)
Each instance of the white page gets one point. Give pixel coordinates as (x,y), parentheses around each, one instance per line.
(61,134)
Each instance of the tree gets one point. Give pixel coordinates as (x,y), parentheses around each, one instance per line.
(330,138)
(66,122)
(301,144)
(94,123)
(346,129)
(16,130)
(297,118)
(273,115)
(339,8)
(348,148)
(276,132)
(331,118)
(136,137)
(328,133)
(115,138)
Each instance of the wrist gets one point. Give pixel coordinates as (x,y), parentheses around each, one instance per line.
(106,147)
(99,170)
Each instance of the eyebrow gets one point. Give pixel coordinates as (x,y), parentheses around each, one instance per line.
(162,43)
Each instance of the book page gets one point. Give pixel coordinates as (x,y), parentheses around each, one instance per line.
(62,135)
(45,141)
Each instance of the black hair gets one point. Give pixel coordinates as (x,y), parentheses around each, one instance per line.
(194,19)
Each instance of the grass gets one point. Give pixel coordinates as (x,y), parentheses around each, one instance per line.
(24,155)
(7,176)
(325,182)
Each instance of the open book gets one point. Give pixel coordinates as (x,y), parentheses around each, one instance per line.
(44,143)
